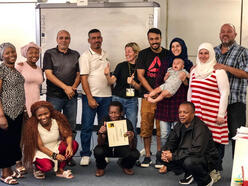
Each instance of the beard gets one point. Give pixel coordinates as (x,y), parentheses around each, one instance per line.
(155,48)
(227,44)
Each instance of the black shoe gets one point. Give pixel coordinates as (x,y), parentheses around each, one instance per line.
(71,162)
(147,162)
(138,163)
(158,164)
(188,179)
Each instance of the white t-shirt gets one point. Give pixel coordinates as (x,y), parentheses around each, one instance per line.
(93,65)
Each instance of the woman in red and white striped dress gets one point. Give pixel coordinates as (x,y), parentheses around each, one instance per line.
(209,90)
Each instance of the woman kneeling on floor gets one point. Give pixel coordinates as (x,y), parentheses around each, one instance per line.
(47,141)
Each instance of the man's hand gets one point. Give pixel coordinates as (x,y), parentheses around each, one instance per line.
(70,92)
(129,134)
(103,129)
(3,123)
(92,103)
(107,70)
(166,156)
(219,66)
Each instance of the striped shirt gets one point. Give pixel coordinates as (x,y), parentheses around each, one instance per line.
(237,57)
(206,96)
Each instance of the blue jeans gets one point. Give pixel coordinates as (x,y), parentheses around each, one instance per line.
(69,108)
(165,128)
(88,117)
(130,109)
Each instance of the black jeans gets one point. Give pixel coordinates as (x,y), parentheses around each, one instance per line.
(236,117)
(196,166)
(129,156)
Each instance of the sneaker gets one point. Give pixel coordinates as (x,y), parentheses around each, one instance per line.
(215,175)
(147,162)
(158,164)
(210,183)
(188,179)
(85,161)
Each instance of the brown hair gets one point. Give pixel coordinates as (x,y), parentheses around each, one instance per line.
(29,140)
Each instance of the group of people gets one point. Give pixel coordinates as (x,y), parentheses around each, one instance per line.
(195,107)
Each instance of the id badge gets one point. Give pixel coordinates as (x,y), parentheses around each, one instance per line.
(130,92)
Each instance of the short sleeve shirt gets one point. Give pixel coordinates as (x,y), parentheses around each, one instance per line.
(93,65)
(64,66)
(12,95)
(122,72)
(236,57)
(150,62)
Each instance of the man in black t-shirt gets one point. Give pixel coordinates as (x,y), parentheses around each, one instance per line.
(148,64)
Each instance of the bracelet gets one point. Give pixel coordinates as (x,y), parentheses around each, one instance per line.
(54,155)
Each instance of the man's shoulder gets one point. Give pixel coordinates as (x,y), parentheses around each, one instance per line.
(198,123)
(52,50)
(74,52)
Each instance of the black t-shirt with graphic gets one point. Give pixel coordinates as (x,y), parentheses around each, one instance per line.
(151,62)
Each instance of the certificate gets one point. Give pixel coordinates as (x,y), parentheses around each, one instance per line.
(116,131)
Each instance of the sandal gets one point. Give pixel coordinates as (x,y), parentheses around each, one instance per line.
(163,170)
(39,174)
(9,180)
(21,170)
(17,175)
(66,174)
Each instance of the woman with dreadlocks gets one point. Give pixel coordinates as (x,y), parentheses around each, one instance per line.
(47,141)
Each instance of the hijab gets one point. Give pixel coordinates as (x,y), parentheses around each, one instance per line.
(202,70)
(184,54)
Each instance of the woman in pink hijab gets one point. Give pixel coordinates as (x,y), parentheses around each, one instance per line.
(32,74)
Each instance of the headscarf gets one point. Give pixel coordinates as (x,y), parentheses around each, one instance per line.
(202,70)
(184,54)
(24,49)
(3,46)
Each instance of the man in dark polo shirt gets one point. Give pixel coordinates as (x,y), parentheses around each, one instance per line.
(62,72)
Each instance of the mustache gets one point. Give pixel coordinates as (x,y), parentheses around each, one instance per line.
(156,44)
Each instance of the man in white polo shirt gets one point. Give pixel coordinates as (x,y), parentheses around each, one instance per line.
(96,91)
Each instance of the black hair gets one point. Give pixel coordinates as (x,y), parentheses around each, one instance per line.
(116,104)
(93,31)
(190,104)
(154,30)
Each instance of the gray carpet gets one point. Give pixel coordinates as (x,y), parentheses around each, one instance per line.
(115,177)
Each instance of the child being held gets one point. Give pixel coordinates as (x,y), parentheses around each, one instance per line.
(173,80)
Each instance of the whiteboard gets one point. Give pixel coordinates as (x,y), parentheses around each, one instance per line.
(119,24)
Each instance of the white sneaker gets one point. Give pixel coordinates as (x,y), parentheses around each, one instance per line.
(211,182)
(85,161)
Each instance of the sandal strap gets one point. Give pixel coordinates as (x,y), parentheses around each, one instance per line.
(9,180)
(67,173)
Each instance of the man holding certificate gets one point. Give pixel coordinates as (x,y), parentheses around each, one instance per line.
(116,139)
